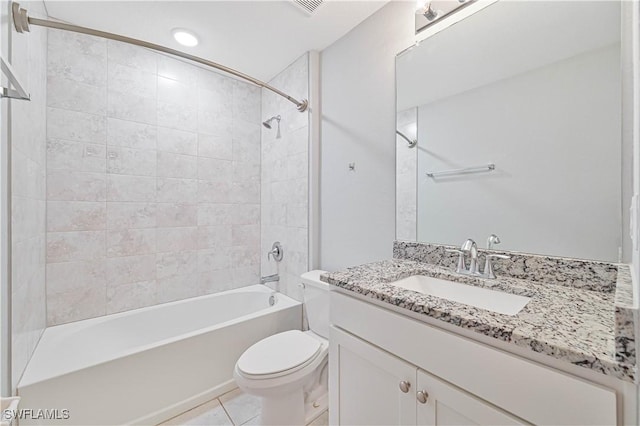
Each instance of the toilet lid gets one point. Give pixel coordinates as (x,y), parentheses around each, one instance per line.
(279,353)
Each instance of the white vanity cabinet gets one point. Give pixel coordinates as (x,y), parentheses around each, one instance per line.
(445,404)
(389,369)
(369,383)
(377,388)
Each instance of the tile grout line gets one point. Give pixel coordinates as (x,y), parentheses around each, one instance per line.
(225,410)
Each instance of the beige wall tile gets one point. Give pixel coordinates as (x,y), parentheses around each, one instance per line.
(129,242)
(154,180)
(176,239)
(131,215)
(174,190)
(176,263)
(177,141)
(77,245)
(125,297)
(76,126)
(63,185)
(76,215)
(129,269)
(69,276)
(130,134)
(131,188)
(177,215)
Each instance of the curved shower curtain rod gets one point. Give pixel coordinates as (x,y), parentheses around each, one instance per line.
(412,142)
(22,20)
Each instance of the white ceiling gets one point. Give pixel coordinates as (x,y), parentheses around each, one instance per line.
(259,38)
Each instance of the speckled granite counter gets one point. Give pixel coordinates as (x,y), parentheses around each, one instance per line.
(578,324)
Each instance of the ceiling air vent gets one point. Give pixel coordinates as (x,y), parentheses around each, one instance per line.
(308,6)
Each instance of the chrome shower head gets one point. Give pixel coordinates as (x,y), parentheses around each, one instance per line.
(267,124)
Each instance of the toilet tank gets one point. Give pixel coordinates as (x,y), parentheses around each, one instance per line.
(316,302)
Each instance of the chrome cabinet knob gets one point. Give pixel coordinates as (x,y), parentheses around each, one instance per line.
(422,396)
(405,386)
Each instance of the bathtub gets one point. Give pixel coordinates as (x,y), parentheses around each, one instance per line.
(150,364)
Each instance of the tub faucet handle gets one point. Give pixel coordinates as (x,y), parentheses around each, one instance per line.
(276,251)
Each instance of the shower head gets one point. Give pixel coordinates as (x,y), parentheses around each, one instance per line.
(267,124)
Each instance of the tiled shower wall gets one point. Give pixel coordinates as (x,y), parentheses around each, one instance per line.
(28,156)
(153,179)
(406,176)
(285,179)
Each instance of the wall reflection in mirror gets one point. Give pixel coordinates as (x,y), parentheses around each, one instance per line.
(535,89)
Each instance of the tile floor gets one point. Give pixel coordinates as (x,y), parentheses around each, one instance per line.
(234,408)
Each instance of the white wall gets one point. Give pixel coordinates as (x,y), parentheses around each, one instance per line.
(357,222)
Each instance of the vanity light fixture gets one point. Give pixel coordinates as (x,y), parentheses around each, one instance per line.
(424,8)
(185,37)
(430,11)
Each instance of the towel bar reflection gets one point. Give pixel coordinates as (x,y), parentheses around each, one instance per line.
(488,168)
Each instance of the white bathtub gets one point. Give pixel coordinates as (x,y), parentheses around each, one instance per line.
(147,365)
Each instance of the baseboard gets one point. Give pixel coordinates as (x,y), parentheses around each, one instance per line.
(171,411)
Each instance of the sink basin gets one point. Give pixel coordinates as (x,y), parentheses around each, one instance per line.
(490,300)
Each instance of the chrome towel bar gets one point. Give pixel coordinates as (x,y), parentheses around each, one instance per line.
(488,168)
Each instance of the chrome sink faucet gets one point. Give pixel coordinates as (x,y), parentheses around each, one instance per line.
(470,248)
(488,266)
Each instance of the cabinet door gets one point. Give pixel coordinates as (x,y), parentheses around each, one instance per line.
(441,403)
(366,384)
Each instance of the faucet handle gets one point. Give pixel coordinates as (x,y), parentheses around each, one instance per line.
(461,266)
(276,251)
(454,251)
(488,266)
(491,240)
(497,256)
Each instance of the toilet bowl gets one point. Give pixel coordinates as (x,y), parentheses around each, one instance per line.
(289,370)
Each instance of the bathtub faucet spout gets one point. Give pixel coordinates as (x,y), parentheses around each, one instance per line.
(269,279)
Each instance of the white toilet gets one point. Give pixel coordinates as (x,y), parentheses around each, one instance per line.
(289,370)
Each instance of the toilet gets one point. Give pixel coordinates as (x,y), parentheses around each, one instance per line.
(289,370)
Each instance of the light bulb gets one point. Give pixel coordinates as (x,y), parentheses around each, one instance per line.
(185,37)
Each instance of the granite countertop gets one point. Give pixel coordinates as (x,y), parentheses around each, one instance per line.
(579,325)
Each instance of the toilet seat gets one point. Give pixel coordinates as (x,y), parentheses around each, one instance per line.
(279,355)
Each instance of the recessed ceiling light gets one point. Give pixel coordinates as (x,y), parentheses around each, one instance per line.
(185,37)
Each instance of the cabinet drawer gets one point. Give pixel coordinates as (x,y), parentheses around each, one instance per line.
(533,392)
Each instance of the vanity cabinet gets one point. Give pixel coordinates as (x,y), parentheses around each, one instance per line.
(445,404)
(377,388)
(373,350)
(369,383)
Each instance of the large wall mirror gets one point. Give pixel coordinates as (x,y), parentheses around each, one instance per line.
(516,110)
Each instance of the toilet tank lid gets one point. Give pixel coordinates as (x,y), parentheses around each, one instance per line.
(313,278)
